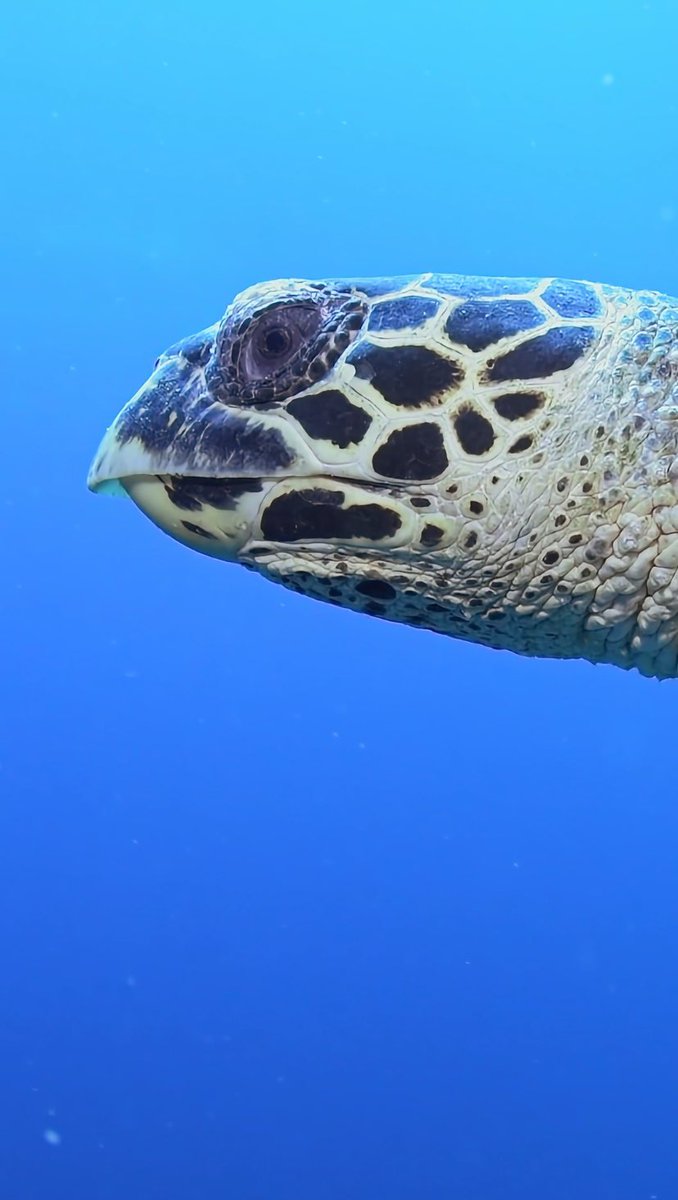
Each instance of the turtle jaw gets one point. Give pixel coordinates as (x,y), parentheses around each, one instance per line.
(210,516)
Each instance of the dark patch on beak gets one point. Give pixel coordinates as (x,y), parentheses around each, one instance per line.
(174,426)
(175,412)
(194,494)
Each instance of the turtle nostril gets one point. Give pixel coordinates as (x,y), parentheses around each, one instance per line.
(195,350)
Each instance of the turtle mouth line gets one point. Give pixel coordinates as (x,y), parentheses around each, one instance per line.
(253,482)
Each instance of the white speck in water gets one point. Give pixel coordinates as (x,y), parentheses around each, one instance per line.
(608,79)
(52,1137)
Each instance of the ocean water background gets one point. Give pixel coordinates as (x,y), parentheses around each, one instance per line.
(296,904)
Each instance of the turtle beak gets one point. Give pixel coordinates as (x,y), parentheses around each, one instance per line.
(126,449)
(198,466)
(175,426)
(138,441)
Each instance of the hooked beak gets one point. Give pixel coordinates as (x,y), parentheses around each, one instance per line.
(174,426)
(198,466)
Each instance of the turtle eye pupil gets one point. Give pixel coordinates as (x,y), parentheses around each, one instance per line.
(276,341)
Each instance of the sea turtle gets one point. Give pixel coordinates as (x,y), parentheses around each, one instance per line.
(491,458)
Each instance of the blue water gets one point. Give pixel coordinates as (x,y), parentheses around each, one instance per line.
(296,904)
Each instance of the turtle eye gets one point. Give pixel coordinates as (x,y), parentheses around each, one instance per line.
(275,339)
(276,342)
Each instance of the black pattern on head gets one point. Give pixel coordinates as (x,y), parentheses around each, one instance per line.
(406,376)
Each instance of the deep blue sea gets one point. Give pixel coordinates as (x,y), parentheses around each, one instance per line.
(296,904)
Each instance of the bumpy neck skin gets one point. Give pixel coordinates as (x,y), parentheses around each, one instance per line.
(568,551)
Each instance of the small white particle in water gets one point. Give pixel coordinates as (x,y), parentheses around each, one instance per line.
(52,1137)
(608,79)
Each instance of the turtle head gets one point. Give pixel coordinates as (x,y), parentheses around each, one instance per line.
(254,437)
(486,457)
